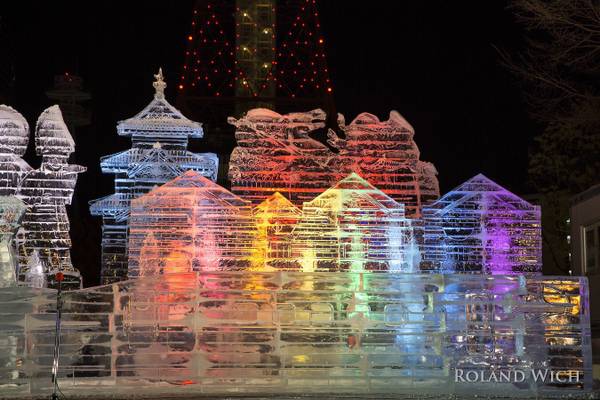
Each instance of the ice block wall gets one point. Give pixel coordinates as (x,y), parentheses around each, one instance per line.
(296,332)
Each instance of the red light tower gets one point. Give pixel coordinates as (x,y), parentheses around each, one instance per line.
(245,54)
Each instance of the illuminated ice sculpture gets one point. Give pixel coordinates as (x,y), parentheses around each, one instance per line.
(481,227)
(192,224)
(276,153)
(223,301)
(159,135)
(46,191)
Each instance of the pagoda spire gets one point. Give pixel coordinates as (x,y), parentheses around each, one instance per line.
(159,85)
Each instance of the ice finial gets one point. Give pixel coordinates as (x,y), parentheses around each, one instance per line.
(159,85)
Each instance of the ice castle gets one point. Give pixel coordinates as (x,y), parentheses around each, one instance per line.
(304,287)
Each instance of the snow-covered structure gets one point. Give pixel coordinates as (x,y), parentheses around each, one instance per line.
(46,192)
(276,153)
(11,212)
(481,227)
(159,135)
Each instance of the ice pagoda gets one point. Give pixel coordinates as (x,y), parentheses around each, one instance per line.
(159,135)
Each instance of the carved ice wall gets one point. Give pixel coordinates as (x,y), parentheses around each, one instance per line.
(276,153)
(159,135)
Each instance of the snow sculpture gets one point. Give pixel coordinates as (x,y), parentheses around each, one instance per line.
(355,227)
(159,135)
(11,212)
(46,192)
(276,153)
(14,137)
(189,224)
(481,227)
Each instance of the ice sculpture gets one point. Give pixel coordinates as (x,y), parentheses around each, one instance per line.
(46,191)
(275,219)
(159,135)
(189,224)
(375,335)
(14,137)
(275,153)
(354,227)
(481,227)
(11,212)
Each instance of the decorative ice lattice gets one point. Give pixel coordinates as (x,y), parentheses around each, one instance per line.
(276,153)
(483,228)
(46,191)
(159,135)
(11,212)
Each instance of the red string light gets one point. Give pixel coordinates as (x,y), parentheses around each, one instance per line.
(299,53)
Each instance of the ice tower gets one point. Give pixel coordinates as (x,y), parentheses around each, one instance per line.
(159,135)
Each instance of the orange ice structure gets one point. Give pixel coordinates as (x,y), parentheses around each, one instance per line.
(276,153)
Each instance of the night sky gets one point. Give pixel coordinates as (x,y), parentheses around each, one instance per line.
(434,62)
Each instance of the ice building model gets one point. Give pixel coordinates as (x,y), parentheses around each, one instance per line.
(159,135)
(335,291)
(275,153)
(43,242)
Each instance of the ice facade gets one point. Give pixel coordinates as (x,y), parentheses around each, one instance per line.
(481,227)
(159,135)
(45,191)
(11,212)
(276,153)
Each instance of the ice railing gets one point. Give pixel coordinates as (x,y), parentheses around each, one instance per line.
(295,332)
